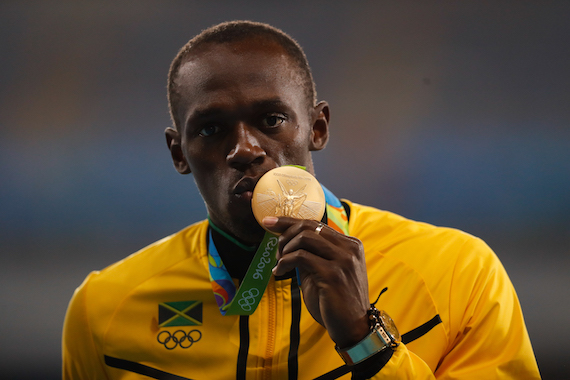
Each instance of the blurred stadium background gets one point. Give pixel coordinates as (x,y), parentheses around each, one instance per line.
(453,113)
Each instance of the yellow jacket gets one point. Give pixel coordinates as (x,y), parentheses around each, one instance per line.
(153,314)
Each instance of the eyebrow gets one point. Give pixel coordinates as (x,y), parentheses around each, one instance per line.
(217,111)
(268,103)
(207,113)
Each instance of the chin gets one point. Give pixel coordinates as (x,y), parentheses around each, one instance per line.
(245,228)
(249,232)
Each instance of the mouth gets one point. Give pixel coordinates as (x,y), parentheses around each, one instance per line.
(244,188)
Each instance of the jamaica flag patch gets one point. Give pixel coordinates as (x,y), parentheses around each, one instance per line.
(180,313)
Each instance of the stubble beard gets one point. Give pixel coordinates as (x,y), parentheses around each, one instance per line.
(242,225)
(245,229)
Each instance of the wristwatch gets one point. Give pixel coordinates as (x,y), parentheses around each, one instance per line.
(383,335)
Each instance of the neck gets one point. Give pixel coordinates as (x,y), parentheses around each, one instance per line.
(235,255)
(232,239)
(242,229)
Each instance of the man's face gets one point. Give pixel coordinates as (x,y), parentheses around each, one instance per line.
(243,112)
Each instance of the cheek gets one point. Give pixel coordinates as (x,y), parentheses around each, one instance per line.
(299,142)
(206,172)
(201,165)
(214,187)
(200,158)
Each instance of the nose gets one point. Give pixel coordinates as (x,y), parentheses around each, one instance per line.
(247,149)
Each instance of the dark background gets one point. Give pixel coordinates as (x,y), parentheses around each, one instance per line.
(451,112)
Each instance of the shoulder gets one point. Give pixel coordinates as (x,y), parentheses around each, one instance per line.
(444,267)
(426,248)
(103,290)
(390,229)
(156,257)
(446,273)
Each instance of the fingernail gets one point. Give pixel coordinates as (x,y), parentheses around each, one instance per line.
(274,270)
(270,221)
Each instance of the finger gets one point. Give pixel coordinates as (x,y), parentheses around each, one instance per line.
(288,228)
(308,240)
(305,261)
(278,225)
(303,225)
(312,235)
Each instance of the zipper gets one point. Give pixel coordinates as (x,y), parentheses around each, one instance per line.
(271,330)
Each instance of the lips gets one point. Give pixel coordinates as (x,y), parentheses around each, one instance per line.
(244,188)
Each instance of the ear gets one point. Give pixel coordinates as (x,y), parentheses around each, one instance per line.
(174,144)
(320,126)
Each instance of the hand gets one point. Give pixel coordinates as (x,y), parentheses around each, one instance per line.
(333,275)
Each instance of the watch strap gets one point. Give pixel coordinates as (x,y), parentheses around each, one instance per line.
(377,340)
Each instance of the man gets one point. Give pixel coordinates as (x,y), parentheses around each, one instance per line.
(242,101)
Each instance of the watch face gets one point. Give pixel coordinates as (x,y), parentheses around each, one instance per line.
(390,326)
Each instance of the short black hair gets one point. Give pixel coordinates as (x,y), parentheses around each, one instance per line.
(234,31)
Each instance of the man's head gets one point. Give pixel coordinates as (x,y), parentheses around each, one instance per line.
(241,108)
(234,31)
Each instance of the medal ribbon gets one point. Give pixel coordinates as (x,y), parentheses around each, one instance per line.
(245,299)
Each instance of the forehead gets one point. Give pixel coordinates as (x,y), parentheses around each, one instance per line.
(238,71)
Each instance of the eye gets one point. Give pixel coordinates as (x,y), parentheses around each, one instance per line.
(273,120)
(209,130)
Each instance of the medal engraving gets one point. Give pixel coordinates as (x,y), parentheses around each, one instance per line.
(288,191)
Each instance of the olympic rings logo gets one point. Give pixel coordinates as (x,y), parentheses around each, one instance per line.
(248,299)
(179,338)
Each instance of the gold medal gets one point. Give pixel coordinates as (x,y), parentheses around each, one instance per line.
(288,191)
